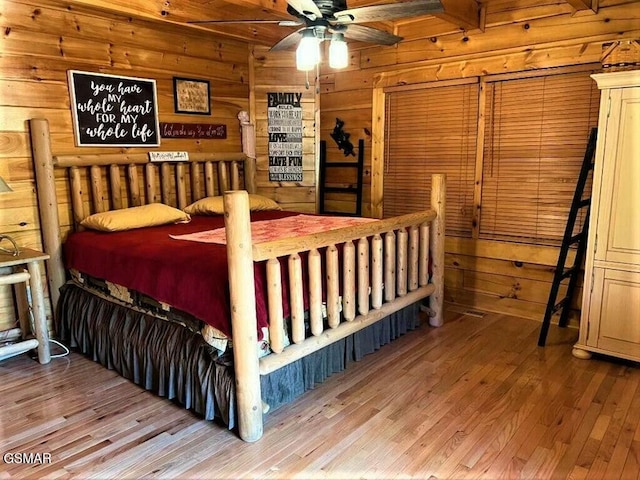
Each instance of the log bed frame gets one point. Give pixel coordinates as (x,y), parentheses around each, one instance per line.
(384,266)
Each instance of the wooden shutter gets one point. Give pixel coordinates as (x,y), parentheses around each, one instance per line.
(431,130)
(535,137)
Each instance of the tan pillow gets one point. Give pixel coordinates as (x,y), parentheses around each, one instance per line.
(206,206)
(259,203)
(214,205)
(135,217)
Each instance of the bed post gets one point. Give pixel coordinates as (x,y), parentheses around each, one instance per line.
(48,206)
(437,235)
(243,314)
(249,149)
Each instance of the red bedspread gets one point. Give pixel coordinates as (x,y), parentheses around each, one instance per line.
(190,276)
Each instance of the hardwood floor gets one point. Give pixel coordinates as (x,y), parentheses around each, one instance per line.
(475,398)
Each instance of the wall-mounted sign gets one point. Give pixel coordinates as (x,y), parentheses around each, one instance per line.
(193,130)
(169,156)
(284,127)
(191,95)
(113,111)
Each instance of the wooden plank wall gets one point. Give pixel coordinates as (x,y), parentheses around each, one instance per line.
(42,40)
(276,72)
(518,35)
(40,43)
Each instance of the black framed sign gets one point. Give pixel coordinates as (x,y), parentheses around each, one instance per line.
(284,126)
(113,111)
(191,96)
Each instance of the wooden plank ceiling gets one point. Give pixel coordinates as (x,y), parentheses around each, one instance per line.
(465,15)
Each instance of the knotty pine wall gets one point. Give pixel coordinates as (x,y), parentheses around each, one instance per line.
(40,43)
(276,72)
(519,35)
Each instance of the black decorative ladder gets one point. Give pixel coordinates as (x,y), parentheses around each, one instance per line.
(580,239)
(357,190)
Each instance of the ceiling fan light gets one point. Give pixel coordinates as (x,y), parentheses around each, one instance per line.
(338,52)
(308,52)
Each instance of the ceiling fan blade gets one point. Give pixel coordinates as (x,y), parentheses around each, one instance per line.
(280,23)
(306,8)
(287,42)
(389,11)
(361,33)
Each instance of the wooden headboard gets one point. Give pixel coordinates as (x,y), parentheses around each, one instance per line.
(108,175)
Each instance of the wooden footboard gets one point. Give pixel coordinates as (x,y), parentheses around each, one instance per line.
(384,267)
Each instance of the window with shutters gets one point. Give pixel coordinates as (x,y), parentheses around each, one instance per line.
(536,134)
(431,130)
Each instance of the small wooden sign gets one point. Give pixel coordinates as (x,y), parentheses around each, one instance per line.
(169,156)
(193,130)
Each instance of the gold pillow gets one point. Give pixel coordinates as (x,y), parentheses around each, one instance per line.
(259,203)
(215,206)
(206,206)
(135,217)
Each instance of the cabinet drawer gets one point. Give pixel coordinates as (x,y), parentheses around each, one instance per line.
(615,312)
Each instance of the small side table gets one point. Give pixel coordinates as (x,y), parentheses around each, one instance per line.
(32,259)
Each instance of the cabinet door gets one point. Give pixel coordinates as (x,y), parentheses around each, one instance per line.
(615,312)
(618,216)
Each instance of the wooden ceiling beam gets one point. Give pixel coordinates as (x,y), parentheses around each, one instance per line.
(278,7)
(176,15)
(163,10)
(462,13)
(133,8)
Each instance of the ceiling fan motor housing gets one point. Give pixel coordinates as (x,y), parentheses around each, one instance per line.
(329,7)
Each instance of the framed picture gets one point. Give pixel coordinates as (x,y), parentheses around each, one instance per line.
(191,96)
(113,111)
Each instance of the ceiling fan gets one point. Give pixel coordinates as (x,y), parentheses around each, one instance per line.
(332,20)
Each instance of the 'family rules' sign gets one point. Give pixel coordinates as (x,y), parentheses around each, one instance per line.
(284,111)
(113,111)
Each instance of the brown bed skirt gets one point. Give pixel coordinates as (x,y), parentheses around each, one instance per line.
(173,362)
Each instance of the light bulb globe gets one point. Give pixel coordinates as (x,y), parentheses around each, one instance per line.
(338,52)
(308,51)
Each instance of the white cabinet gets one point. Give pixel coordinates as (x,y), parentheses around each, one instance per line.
(610,321)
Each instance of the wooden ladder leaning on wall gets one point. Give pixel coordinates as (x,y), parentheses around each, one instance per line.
(357,190)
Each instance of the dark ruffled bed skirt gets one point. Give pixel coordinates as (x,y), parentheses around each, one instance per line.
(173,362)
